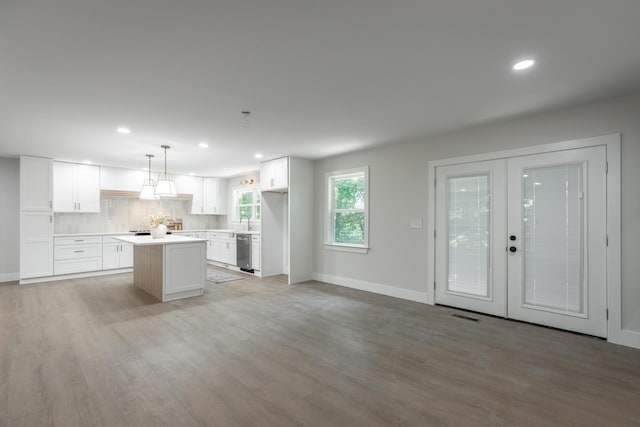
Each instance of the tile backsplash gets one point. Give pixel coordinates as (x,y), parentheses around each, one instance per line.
(124,214)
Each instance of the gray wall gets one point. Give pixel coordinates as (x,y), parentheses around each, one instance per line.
(9,218)
(398,193)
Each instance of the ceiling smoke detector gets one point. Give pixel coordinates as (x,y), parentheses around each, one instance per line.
(245,118)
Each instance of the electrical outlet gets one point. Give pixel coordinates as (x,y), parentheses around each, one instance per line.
(416,223)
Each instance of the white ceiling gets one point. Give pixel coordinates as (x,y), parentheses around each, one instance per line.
(320,77)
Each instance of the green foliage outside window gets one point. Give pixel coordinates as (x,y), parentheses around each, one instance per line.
(349,215)
(247,204)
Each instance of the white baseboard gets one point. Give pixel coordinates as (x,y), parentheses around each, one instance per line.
(9,277)
(625,337)
(75,276)
(376,288)
(256,273)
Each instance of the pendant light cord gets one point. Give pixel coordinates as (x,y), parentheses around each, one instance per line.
(149,156)
(165,159)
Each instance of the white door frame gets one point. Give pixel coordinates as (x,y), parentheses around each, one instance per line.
(615,333)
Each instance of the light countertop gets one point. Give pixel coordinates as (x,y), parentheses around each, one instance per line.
(166,240)
(178,232)
(114,233)
(216,230)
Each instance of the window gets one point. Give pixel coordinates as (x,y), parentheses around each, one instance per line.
(246,204)
(347,221)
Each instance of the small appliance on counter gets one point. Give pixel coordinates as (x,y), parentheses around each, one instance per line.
(175,225)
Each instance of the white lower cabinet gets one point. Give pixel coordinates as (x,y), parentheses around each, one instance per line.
(116,254)
(36,231)
(210,250)
(36,218)
(255,252)
(221,247)
(77,254)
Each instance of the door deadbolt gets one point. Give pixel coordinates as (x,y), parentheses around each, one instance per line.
(512,237)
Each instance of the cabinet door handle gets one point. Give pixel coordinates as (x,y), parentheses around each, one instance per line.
(272,182)
(78,205)
(78,252)
(79,240)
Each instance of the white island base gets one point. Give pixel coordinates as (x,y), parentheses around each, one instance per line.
(170,268)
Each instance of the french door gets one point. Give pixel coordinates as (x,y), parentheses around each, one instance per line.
(525,238)
(470,228)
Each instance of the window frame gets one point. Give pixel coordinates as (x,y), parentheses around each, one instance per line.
(329,223)
(235,217)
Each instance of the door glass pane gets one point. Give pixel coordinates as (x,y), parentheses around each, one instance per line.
(468,234)
(553,237)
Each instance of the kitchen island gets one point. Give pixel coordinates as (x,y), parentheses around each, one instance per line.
(170,268)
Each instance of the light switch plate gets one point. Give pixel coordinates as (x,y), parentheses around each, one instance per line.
(416,223)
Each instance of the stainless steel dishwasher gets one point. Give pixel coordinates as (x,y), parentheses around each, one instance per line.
(243,248)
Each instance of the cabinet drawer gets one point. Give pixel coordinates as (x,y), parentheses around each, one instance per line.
(69,266)
(77,240)
(77,251)
(222,236)
(110,239)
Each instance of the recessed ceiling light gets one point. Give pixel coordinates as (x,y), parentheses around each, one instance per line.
(257,156)
(523,65)
(87,162)
(203,145)
(124,130)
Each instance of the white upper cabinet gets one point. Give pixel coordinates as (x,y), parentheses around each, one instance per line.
(209,196)
(196,202)
(214,195)
(274,175)
(35,184)
(76,188)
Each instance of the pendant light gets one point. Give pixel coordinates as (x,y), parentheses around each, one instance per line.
(165,186)
(148,191)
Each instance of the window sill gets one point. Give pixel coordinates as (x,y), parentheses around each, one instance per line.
(346,248)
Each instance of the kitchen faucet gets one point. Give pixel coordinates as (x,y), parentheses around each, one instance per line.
(248,221)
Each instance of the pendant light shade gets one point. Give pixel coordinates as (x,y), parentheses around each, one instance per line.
(148,191)
(165,186)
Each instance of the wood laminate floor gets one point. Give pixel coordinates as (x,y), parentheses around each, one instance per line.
(98,352)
